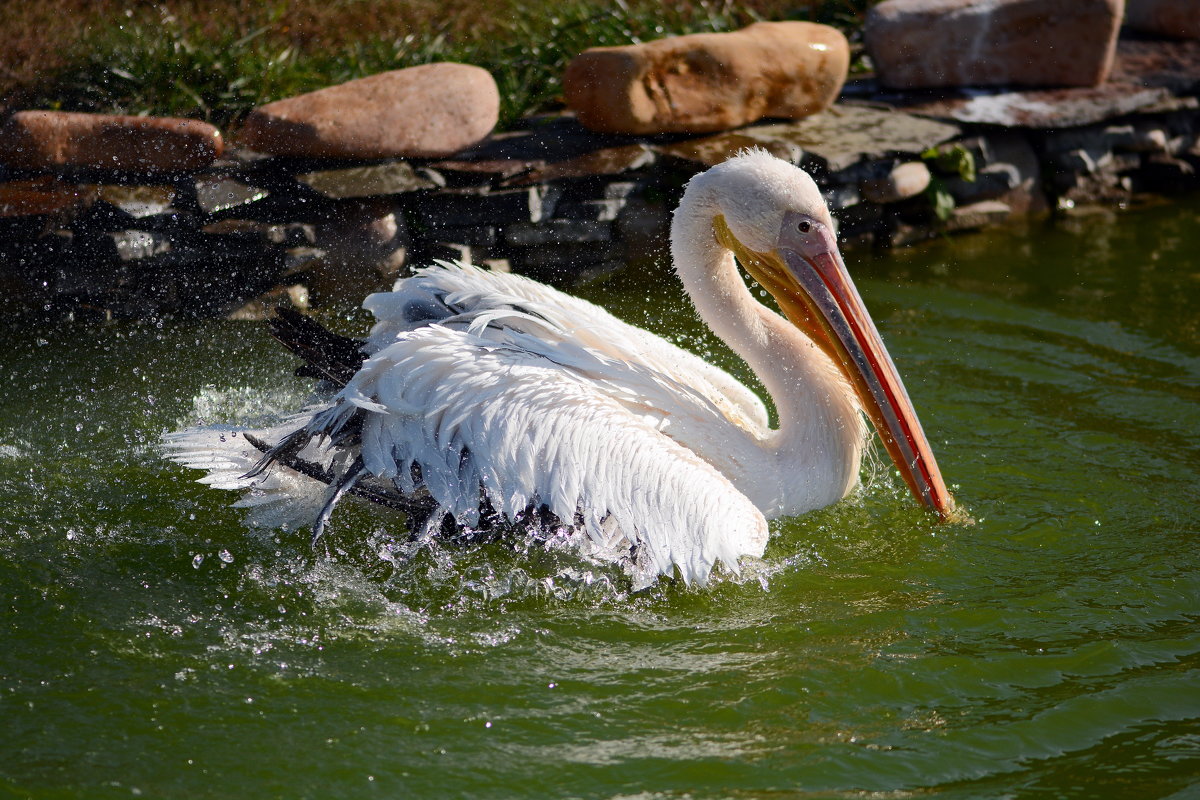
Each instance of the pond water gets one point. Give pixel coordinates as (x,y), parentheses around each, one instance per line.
(155,645)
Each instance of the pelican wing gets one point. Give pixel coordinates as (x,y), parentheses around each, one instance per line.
(462,291)
(505,405)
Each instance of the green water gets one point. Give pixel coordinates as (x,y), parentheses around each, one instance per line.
(153,645)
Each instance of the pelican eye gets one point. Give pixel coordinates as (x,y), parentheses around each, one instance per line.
(804,226)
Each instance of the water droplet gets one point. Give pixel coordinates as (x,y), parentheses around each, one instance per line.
(226,556)
(197,560)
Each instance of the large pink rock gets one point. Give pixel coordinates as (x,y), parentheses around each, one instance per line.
(48,139)
(430,111)
(1179,19)
(708,81)
(918,44)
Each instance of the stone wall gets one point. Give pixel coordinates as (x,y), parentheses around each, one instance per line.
(244,231)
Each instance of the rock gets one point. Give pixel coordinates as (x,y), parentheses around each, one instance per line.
(978,215)
(136,245)
(1007,169)
(504,207)
(495,264)
(605,161)
(918,44)
(263,307)
(447,251)
(1166,175)
(395,177)
(1149,139)
(558,231)
(215,193)
(49,139)
(139,202)
(1041,108)
(459,174)
(365,235)
(708,81)
(430,111)
(991,183)
(44,195)
(594,210)
(839,139)
(1175,18)
(900,183)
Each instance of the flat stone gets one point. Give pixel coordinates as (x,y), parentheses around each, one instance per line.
(978,215)
(602,162)
(396,177)
(1171,65)
(708,81)
(138,202)
(1056,108)
(45,195)
(835,140)
(921,44)
(430,111)
(900,183)
(461,173)
(544,138)
(51,139)
(214,194)
(1174,18)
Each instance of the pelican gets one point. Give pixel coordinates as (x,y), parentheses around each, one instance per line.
(482,399)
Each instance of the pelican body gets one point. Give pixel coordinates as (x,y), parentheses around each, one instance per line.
(482,398)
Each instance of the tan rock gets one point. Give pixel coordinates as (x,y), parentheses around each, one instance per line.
(708,81)
(428,111)
(1178,19)
(902,182)
(918,44)
(46,139)
(978,215)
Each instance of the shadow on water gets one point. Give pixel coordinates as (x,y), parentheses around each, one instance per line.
(157,645)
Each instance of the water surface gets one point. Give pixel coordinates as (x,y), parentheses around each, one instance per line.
(155,645)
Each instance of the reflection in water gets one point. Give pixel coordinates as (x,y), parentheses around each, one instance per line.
(155,643)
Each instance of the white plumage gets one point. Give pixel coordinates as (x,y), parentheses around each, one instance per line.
(487,389)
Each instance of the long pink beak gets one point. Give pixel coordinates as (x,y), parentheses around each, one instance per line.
(846,331)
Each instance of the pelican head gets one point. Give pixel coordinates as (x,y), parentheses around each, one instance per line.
(771,215)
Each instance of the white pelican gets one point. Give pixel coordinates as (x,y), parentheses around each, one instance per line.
(483,398)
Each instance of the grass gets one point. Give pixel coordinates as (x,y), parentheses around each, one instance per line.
(218,60)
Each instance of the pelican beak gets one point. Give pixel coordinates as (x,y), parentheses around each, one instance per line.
(808,278)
